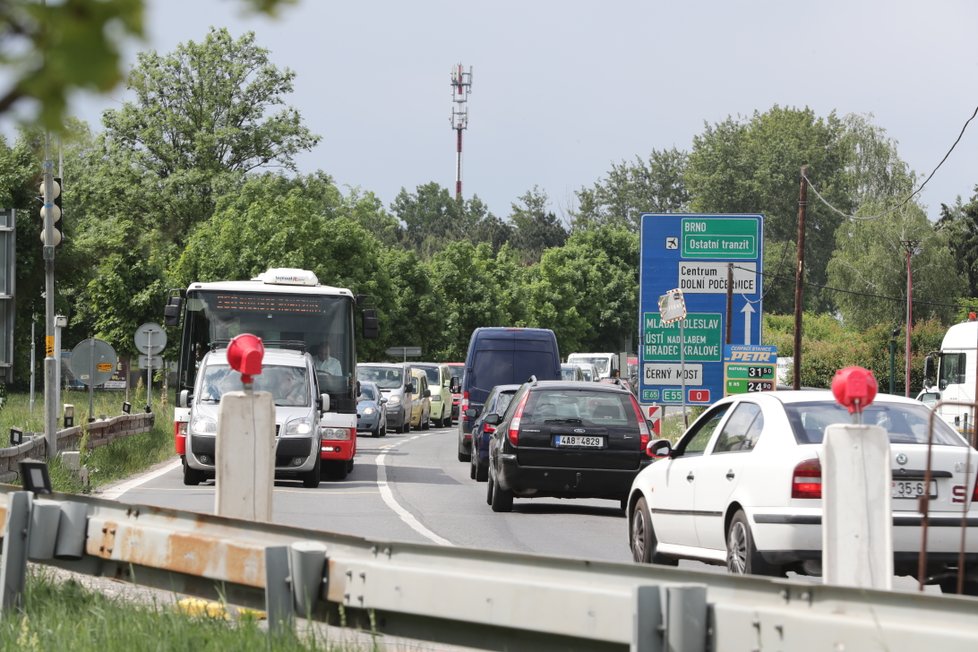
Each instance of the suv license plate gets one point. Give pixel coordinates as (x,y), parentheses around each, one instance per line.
(581,441)
(912,489)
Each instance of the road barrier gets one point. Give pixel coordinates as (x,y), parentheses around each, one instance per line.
(478,598)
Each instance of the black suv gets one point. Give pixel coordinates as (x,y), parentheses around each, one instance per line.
(566,439)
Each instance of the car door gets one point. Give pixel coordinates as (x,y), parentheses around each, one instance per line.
(721,468)
(673,501)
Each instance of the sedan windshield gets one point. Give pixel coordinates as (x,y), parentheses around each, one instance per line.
(905,423)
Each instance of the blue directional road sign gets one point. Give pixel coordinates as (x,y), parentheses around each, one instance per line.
(692,253)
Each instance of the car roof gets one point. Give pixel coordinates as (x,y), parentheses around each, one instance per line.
(388,365)
(506,388)
(278,357)
(789,396)
(578,384)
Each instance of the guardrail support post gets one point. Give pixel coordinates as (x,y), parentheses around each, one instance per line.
(647,626)
(279,604)
(72,529)
(686,618)
(13,566)
(43,532)
(306,561)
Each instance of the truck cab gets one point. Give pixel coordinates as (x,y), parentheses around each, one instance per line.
(950,374)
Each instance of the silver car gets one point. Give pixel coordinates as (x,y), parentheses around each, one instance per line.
(291,379)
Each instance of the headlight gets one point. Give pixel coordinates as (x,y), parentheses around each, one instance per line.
(367,411)
(394,400)
(336,433)
(298,427)
(203,426)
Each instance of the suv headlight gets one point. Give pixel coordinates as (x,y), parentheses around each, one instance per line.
(201,425)
(336,433)
(298,428)
(394,400)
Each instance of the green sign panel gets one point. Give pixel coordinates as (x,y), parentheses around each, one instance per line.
(701,338)
(742,386)
(751,372)
(724,238)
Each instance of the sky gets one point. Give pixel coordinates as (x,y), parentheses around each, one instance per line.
(564,89)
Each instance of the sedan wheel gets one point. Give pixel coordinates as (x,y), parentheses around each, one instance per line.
(643,538)
(742,555)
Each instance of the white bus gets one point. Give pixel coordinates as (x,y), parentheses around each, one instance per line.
(285,308)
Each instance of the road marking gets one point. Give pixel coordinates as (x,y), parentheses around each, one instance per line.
(388,496)
(113,493)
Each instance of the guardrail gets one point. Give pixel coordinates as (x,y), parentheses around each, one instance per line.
(478,598)
(100,433)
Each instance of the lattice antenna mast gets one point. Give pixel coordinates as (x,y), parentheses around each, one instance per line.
(461,87)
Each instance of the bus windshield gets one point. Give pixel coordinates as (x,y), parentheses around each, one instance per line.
(301,320)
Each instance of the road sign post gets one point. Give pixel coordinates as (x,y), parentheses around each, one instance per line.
(92,362)
(149,339)
(682,364)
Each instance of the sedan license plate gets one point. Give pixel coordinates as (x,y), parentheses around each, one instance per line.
(578,441)
(912,489)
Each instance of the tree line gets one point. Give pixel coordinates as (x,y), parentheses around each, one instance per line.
(194,179)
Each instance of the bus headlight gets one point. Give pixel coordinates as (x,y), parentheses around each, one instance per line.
(336,433)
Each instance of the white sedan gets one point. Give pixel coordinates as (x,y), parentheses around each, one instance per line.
(742,487)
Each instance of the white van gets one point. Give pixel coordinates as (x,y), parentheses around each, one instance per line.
(604,363)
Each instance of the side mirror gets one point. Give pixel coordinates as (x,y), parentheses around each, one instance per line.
(427,393)
(383,399)
(171,312)
(185,398)
(324,402)
(471,413)
(659,449)
(409,388)
(929,370)
(455,386)
(371,325)
(492,419)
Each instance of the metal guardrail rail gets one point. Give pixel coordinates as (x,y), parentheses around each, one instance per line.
(477,598)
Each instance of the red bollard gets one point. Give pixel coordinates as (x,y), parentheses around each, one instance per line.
(245,353)
(854,388)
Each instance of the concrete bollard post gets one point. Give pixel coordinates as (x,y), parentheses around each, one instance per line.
(245,456)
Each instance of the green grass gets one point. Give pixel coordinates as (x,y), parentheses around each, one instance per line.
(106,464)
(64,615)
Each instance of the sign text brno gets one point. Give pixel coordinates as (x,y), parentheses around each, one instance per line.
(694,253)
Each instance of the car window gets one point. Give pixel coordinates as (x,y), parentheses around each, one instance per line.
(580,406)
(367,393)
(432,374)
(503,401)
(742,429)
(694,442)
(906,423)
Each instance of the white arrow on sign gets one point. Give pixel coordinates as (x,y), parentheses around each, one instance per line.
(748,310)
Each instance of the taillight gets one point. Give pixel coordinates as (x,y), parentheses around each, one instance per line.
(643,427)
(464,405)
(180,437)
(486,428)
(514,425)
(806,480)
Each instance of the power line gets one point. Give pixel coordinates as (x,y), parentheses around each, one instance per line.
(909,197)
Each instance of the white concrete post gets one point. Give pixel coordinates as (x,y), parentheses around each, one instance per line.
(857,521)
(245,456)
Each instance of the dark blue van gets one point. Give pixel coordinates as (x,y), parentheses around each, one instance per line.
(502,356)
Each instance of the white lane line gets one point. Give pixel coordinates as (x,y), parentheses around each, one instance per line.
(113,493)
(402,513)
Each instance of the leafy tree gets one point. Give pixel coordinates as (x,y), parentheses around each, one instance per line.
(753,166)
(414,305)
(535,229)
(656,185)
(587,290)
(432,218)
(959,222)
(203,116)
(869,261)
(49,50)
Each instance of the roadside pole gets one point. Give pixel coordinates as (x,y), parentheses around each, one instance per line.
(50,372)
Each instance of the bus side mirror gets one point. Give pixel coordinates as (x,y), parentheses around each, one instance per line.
(171,313)
(371,325)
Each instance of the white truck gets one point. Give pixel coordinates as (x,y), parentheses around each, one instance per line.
(604,363)
(950,374)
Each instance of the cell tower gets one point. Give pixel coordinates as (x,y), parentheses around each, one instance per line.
(461,87)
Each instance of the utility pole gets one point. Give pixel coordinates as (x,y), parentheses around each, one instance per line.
(800,272)
(48,238)
(461,87)
(910,246)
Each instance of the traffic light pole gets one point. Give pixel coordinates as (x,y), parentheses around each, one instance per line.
(50,371)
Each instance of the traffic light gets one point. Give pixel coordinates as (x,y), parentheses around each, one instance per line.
(55,211)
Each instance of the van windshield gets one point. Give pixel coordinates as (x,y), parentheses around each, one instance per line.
(431,373)
(289,386)
(385,377)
